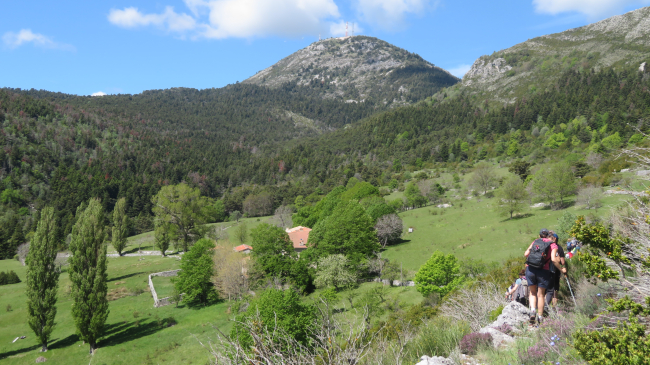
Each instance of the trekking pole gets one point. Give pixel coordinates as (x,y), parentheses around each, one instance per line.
(571,291)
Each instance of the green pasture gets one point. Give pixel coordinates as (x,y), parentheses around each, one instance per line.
(476,230)
(135,333)
(145,241)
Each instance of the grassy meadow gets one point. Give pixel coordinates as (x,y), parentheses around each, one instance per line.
(135,332)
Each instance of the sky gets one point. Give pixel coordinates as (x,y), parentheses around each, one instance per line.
(128,46)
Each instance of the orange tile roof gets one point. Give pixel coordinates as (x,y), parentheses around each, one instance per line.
(241,248)
(299,236)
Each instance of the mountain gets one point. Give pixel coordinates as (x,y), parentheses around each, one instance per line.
(535,65)
(358,69)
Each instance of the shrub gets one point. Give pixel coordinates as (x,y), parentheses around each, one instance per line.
(438,337)
(9,278)
(535,354)
(504,328)
(496,313)
(472,342)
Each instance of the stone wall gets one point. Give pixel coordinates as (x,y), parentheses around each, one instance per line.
(164,301)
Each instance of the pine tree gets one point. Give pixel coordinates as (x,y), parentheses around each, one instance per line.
(42,278)
(88,273)
(120,226)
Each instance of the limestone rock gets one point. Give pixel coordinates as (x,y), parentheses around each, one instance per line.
(498,338)
(436,360)
(514,314)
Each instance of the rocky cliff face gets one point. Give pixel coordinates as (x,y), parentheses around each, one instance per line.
(356,69)
(619,41)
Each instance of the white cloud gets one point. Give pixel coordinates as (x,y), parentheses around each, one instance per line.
(169,19)
(389,14)
(338,29)
(14,40)
(591,8)
(236,18)
(460,70)
(99,93)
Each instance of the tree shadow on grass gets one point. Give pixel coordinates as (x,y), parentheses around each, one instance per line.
(119,333)
(518,217)
(20,351)
(125,276)
(65,342)
(397,244)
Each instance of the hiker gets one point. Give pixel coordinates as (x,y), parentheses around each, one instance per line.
(539,256)
(519,291)
(551,293)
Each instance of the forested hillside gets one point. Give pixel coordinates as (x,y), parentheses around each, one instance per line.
(62,151)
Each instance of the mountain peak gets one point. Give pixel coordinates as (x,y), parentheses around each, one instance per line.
(357,68)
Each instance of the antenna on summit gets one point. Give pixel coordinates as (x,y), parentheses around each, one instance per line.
(346,29)
(353,29)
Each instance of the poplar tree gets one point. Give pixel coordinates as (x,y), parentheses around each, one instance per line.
(42,278)
(120,226)
(88,273)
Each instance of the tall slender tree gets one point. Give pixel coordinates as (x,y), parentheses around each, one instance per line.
(120,226)
(42,278)
(88,273)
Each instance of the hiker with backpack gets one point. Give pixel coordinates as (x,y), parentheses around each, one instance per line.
(539,256)
(519,291)
(551,293)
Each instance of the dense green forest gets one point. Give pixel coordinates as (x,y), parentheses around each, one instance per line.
(61,150)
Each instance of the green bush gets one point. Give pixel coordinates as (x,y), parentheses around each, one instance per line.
(9,277)
(281,310)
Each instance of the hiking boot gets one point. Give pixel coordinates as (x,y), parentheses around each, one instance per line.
(532,319)
(539,320)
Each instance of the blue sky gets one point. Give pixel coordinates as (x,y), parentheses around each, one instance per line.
(127,46)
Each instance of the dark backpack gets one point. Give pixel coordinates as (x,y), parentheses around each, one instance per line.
(521,294)
(537,257)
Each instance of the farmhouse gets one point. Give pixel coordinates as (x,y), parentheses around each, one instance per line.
(299,236)
(243,248)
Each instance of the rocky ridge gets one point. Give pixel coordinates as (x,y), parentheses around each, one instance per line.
(356,69)
(619,41)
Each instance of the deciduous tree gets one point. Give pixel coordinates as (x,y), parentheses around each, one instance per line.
(513,196)
(195,277)
(348,231)
(184,208)
(42,278)
(120,226)
(88,273)
(334,271)
(440,274)
(484,177)
(389,229)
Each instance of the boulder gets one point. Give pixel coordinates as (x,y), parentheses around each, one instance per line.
(498,338)
(41,359)
(513,314)
(436,360)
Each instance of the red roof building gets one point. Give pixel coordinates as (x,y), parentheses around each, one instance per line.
(299,236)
(244,248)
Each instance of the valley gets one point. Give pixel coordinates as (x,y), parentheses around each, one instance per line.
(417,194)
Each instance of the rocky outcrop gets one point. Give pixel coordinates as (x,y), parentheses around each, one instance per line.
(484,70)
(514,316)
